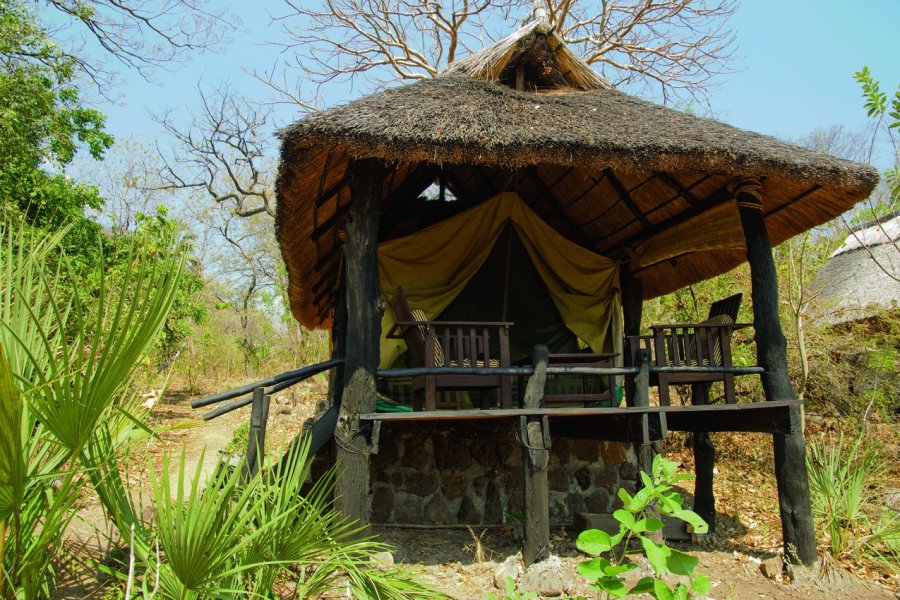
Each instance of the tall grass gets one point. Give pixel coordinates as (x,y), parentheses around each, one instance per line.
(842,479)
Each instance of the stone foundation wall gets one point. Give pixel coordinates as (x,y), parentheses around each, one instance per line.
(427,473)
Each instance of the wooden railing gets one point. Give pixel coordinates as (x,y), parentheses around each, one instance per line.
(259,393)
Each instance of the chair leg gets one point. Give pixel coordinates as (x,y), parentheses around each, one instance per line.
(505,393)
(728,380)
(430,403)
(664,399)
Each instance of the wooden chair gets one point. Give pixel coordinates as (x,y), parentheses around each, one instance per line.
(452,344)
(705,344)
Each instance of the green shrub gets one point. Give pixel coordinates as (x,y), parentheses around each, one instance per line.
(634,524)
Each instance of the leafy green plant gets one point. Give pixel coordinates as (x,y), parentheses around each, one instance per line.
(635,523)
(66,369)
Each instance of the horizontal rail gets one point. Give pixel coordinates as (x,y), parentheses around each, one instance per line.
(246,400)
(565,370)
(416,371)
(288,377)
(708,369)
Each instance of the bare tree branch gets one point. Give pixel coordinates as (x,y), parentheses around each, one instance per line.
(223,153)
(674,46)
(142,34)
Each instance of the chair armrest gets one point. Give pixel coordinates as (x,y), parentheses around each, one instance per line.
(459,323)
(698,326)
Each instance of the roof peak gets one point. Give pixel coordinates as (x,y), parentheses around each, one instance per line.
(532,58)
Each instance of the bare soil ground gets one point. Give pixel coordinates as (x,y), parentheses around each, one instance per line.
(457,563)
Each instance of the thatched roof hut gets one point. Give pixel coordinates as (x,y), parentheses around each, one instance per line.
(615,174)
(862,277)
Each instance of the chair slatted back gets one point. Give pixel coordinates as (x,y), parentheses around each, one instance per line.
(726,306)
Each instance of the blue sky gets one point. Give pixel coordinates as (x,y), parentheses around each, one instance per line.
(794,65)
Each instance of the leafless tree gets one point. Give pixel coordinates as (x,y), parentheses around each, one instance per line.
(224,152)
(141,34)
(673,46)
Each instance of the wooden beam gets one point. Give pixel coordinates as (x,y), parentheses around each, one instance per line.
(794,200)
(680,189)
(352,490)
(409,189)
(718,197)
(771,352)
(545,191)
(535,435)
(626,198)
(322,229)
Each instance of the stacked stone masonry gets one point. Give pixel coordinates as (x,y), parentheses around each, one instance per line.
(472,474)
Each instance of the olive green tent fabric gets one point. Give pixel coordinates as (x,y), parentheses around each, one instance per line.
(434,265)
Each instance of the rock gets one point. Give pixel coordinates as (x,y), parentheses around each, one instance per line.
(772,567)
(587,450)
(282,400)
(607,477)
(468,512)
(382,504)
(892,500)
(598,502)
(454,486)
(284,410)
(546,578)
(420,483)
(382,559)
(436,511)
(583,477)
(511,567)
(612,453)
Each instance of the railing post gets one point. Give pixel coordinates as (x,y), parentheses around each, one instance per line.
(644,447)
(259,414)
(534,434)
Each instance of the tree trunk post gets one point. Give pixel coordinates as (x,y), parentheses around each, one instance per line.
(352,491)
(771,351)
(704,462)
(338,342)
(632,289)
(535,437)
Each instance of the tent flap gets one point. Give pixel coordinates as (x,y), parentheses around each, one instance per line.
(435,264)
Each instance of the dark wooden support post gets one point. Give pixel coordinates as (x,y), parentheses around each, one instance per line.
(643,447)
(338,342)
(352,491)
(535,436)
(771,351)
(632,289)
(704,462)
(259,414)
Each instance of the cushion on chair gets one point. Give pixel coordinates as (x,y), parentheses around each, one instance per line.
(704,332)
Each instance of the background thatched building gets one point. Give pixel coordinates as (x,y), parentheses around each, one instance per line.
(862,277)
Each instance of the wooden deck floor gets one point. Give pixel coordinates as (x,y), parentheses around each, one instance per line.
(621,423)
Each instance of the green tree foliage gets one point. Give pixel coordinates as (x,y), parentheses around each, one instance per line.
(43,122)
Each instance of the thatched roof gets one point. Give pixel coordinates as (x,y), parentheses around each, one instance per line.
(613,173)
(862,277)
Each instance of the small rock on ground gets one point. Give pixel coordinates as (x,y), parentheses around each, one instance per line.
(546,578)
(511,567)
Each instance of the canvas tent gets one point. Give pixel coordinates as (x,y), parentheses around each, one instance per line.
(434,266)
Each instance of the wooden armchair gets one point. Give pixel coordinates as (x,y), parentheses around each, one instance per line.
(706,344)
(452,344)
